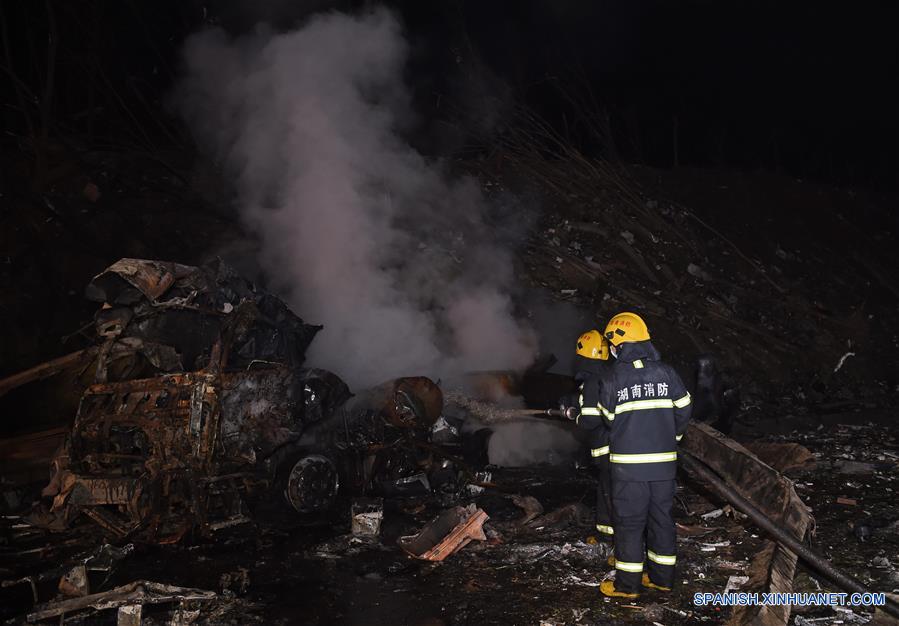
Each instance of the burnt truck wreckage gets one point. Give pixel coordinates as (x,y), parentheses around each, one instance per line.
(230,416)
(196,412)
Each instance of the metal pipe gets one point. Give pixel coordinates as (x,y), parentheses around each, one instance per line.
(811,557)
(44,370)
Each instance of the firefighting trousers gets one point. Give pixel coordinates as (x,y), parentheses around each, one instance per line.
(603,471)
(645,537)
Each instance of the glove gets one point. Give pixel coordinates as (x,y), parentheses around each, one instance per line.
(568,400)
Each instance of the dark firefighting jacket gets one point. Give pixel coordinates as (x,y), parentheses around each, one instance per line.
(646,407)
(597,432)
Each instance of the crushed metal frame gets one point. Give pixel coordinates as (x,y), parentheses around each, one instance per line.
(142,457)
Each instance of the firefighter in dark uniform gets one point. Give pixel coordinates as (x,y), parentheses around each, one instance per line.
(646,406)
(592,358)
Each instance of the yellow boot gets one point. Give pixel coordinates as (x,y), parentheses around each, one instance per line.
(607,587)
(651,585)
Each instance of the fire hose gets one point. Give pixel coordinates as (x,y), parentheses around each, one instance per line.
(567,414)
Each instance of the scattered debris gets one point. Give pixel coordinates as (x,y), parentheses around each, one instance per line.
(854,467)
(367,514)
(842,360)
(415,485)
(74,583)
(734,583)
(711,547)
(481,478)
(531,507)
(129,615)
(444,432)
(862,531)
(235,582)
(137,593)
(579,614)
(697,272)
(712,514)
(445,535)
(685,530)
(653,613)
(575,513)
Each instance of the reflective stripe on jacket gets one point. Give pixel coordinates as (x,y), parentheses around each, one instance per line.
(590,418)
(646,406)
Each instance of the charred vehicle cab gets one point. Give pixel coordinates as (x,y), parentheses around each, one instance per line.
(189,448)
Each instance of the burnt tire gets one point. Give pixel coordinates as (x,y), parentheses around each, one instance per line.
(309,483)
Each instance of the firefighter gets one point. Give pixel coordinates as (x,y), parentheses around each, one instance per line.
(646,407)
(592,357)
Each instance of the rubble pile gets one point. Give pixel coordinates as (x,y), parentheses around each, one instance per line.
(788,300)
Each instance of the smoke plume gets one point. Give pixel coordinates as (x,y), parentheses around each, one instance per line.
(358,231)
(526,442)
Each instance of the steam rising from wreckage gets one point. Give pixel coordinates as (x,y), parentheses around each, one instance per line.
(159,457)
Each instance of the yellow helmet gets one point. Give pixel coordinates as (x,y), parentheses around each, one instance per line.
(592,345)
(626,328)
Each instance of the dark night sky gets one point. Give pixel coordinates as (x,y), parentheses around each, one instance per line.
(808,89)
(801,88)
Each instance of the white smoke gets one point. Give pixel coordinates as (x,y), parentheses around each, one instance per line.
(359,232)
(519,443)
